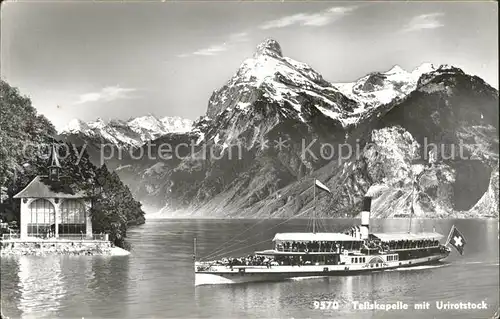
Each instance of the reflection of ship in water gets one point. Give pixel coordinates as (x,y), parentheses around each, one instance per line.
(327,254)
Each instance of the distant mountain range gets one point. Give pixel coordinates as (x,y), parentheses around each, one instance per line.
(134,132)
(275,107)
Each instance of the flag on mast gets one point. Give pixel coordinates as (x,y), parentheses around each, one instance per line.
(321,186)
(456,239)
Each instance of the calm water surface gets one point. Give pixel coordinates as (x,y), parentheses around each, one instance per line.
(157,280)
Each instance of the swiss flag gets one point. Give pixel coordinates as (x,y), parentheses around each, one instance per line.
(457,240)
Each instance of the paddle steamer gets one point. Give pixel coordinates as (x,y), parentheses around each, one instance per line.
(327,254)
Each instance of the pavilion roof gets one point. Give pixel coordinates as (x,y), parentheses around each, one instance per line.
(40,188)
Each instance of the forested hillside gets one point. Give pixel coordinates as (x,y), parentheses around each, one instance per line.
(26,140)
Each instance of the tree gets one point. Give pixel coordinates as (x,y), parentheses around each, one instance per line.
(113,206)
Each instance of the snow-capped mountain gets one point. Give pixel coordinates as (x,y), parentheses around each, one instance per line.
(287,81)
(150,127)
(134,132)
(379,88)
(389,116)
(270,75)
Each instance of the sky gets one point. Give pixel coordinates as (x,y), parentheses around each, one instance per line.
(123,59)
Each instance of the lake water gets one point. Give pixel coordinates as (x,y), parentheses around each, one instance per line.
(157,279)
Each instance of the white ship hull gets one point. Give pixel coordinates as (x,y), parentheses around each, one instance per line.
(242,274)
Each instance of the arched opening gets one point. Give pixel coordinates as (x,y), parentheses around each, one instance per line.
(72,217)
(42,215)
(376,260)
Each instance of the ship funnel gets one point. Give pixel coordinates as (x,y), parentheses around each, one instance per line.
(373,192)
(367,204)
(365,217)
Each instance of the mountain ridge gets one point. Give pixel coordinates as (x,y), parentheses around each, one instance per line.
(388,115)
(131,133)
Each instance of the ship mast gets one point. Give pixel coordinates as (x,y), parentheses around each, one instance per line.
(314,204)
(411,206)
(194,249)
(415,182)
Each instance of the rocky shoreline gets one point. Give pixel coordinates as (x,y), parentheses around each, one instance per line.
(60,248)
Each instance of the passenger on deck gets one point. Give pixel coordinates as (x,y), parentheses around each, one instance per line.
(302,246)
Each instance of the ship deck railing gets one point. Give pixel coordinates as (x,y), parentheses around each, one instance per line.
(414,248)
(271,252)
(306,251)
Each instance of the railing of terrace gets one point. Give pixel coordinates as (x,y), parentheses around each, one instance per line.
(98,237)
